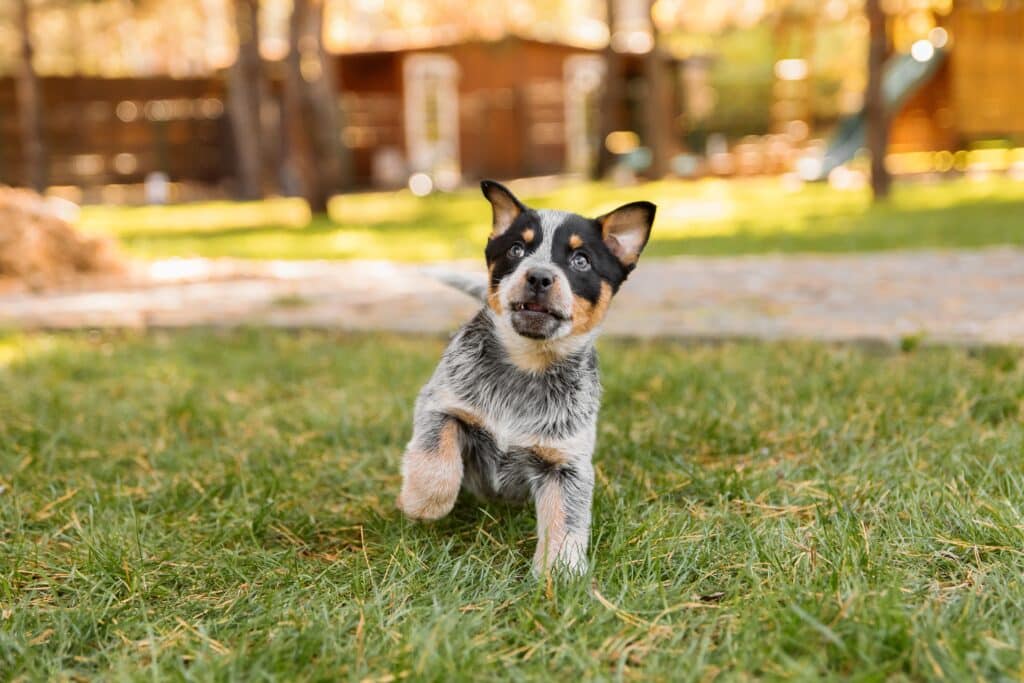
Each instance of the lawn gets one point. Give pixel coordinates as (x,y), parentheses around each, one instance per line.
(711,217)
(214,506)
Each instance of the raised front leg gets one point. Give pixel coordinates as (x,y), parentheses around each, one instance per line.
(563,494)
(431,467)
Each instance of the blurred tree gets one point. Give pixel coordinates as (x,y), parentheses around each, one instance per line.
(874,101)
(30,105)
(612,96)
(117,38)
(245,85)
(660,108)
(312,111)
(299,172)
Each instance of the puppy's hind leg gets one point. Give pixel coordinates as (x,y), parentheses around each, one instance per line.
(432,467)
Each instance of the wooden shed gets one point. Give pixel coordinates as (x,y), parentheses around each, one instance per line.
(978,93)
(457,112)
(508,108)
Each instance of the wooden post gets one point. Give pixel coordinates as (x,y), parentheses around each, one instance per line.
(874,102)
(298,156)
(659,111)
(30,107)
(660,107)
(245,102)
(316,155)
(332,157)
(612,97)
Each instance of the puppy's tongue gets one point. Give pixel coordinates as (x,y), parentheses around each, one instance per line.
(537,308)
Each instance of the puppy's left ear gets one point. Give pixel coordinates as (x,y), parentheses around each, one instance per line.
(505,205)
(626,230)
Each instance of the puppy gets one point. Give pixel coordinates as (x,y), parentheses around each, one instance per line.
(511,411)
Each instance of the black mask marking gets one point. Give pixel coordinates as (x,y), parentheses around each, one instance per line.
(499,260)
(604,267)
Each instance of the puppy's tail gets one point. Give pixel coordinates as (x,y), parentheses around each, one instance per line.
(468,283)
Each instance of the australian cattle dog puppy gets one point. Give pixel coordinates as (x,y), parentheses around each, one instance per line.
(511,411)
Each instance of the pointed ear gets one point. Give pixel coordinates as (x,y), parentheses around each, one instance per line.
(505,205)
(626,229)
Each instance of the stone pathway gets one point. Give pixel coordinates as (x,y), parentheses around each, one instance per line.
(945,296)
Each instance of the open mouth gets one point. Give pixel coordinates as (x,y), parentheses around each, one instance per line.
(532,307)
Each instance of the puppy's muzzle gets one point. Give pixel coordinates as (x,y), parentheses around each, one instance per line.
(535,315)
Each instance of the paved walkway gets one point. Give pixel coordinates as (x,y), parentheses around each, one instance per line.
(957,296)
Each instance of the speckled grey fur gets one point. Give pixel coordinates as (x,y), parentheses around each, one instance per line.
(522,410)
(511,412)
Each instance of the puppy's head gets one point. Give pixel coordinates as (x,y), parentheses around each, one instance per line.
(553,273)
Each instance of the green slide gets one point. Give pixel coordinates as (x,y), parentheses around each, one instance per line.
(903,76)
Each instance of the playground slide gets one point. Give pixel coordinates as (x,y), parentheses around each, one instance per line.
(903,76)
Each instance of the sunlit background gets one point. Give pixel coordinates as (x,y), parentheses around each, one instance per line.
(136,102)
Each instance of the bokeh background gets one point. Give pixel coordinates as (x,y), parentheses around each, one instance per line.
(149,136)
(209,98)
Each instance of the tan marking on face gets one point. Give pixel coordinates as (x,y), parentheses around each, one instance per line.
(551,455)
(585,315)
(551,525)
(431,481)
(493,300)
(575,242)
(528,234)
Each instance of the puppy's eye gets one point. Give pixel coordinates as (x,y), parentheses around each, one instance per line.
(516,251)
(579,261)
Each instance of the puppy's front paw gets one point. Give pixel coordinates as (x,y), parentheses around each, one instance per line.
(569,560)
(430,486)
(425,506)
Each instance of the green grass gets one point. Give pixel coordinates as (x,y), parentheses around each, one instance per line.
(215,506)
(711,217)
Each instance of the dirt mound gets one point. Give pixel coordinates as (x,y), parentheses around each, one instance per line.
(39,249)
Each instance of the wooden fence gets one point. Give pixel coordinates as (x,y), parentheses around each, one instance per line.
(103,131)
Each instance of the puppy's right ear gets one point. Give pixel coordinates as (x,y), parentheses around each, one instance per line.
(504,204)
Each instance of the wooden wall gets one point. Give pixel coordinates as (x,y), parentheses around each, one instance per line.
(371,87)
(511,106)
(101,131)
(987,64)
(105,131)
(977,93)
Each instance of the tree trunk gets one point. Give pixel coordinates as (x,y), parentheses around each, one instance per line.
(326,108)
(300,166)
(874,102)
(660,108)
(611,98)
(317,153)
(30,107)
(659,112)
(245,101)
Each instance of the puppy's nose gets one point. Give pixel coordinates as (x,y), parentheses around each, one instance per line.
(540,279)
